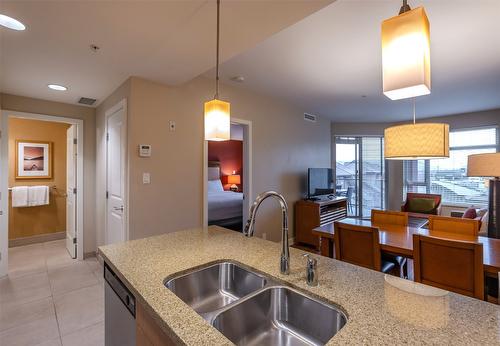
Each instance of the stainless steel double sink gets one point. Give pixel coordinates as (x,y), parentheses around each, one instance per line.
(253,309)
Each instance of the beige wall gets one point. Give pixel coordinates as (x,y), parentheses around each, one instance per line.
(394,167)
(468,120)
(30,105)
(27,222)
(284,146)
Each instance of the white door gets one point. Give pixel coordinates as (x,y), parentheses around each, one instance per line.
(115,176)
(71,190)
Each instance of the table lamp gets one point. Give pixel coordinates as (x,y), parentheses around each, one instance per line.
(234,179)
(488,165)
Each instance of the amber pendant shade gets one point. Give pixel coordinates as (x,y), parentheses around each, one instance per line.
(417,142)
(217,120)
(406,64)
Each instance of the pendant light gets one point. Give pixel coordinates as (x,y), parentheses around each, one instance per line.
(417,141)
(406,65)
(217,112)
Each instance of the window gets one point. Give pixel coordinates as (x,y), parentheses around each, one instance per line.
(448,177)
(360,173)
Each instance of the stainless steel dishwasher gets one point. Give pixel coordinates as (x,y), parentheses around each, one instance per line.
(119,305)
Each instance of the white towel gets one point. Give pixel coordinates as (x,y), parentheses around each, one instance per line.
(38,195)
(19,196)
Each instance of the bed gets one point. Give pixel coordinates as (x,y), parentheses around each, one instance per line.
(225,208)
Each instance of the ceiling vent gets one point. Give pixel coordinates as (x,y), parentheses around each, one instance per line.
(310,117)
(86,101)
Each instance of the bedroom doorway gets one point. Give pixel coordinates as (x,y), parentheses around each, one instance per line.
(227,178)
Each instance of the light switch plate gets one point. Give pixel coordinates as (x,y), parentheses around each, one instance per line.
(146,178)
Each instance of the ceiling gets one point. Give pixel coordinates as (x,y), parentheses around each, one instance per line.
(165,41)
(330,62)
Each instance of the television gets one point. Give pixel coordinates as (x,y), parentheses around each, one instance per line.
(320,182)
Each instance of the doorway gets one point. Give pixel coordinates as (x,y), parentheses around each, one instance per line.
(360,173)
(227,187)
(116,229)
(42,160)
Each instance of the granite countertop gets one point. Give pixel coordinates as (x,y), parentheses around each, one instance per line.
(378,312)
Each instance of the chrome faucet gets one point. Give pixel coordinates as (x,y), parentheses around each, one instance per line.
(249,227)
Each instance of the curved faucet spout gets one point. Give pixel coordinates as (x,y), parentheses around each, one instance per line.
(250,226)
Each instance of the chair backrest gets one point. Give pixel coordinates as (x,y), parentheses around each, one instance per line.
(389,217)
(357,245)
(451,265)
(349,192)
(454,225)
(411,195)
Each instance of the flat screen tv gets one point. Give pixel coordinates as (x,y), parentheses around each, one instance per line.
(320,182)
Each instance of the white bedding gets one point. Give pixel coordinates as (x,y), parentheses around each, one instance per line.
(224,205)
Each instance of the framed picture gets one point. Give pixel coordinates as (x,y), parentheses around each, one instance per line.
(33,159)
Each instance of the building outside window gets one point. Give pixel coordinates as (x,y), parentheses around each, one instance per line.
(448,177)
(360,173)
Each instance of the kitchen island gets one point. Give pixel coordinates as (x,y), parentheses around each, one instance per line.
(378,310)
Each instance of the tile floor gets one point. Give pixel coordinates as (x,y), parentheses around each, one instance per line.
(50,299)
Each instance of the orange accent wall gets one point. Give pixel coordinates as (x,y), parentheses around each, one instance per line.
(31,221)
(230,155)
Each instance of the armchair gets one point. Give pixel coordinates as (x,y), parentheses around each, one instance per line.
(407,206)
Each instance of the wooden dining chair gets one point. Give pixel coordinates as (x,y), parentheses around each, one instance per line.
(360,245)
(454,225)
(391,217)
(455,266)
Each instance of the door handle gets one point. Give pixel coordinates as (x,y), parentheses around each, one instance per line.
(118,208)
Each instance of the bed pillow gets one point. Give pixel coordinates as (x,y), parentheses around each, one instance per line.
(215,186)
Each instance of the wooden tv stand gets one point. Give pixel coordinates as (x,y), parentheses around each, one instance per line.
(311,214)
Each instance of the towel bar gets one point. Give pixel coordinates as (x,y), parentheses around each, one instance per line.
(52,187)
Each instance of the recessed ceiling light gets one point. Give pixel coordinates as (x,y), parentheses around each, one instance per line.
(57,87)
(238,79)
(11,23)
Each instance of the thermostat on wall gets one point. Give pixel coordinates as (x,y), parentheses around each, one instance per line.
(144,150)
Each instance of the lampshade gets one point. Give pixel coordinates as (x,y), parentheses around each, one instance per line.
(417,141)
(217,120)
(234,179)
(406,55)
(483,165)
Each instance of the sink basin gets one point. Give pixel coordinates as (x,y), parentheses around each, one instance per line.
(211,288)
(251,309)
(280,316)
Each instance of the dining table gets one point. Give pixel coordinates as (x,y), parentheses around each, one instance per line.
(398,240)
